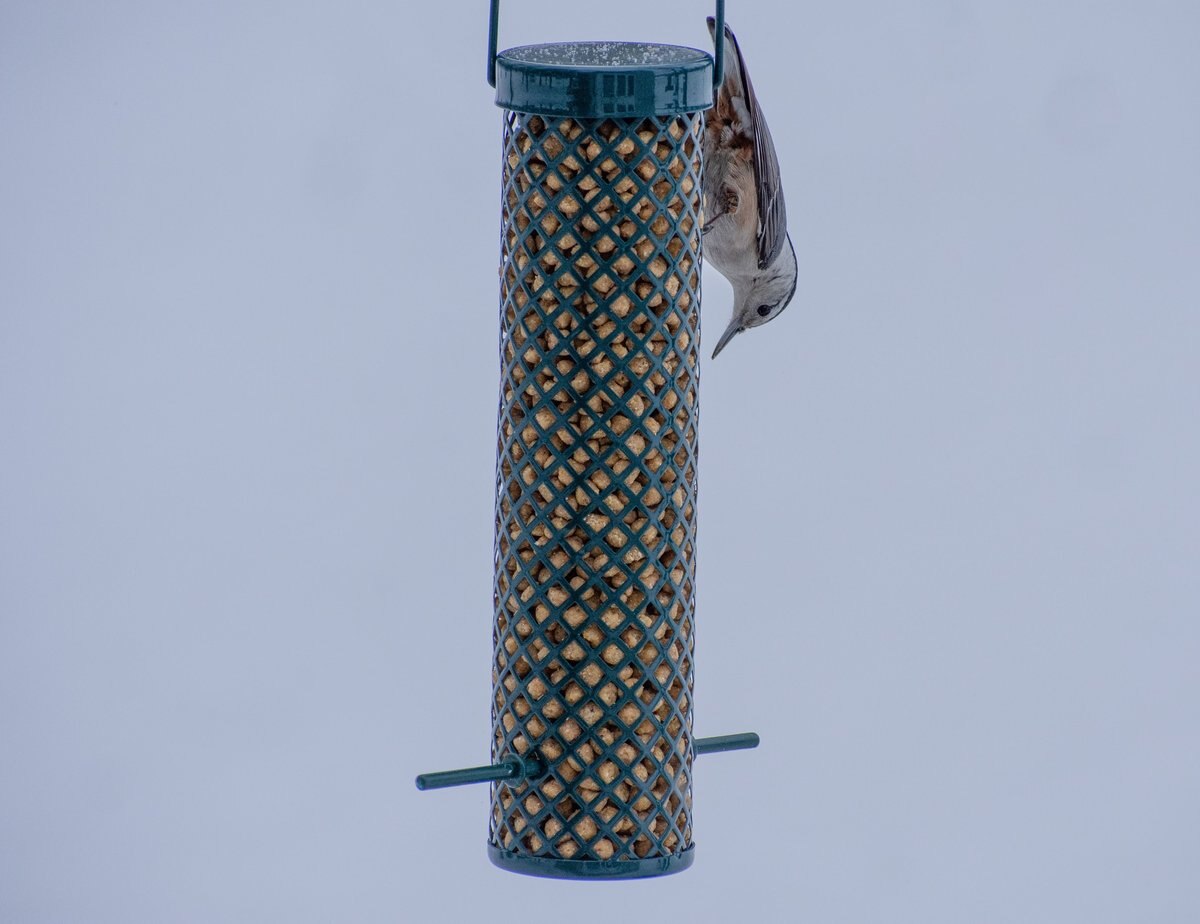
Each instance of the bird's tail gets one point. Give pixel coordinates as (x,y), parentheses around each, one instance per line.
(733,81)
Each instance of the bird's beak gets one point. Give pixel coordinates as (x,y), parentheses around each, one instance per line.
(730,332)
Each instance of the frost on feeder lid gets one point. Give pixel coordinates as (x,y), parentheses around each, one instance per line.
(597,79)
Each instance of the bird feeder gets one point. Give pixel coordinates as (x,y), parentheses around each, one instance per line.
(595,548)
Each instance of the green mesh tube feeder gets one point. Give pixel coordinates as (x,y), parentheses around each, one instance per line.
(594,593)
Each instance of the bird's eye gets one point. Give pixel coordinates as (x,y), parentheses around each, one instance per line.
(764,310)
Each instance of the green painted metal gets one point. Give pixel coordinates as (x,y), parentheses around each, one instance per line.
(718,743)
(552,868)
(595,79)
(596,487)
(719,63)
(494,38)
(514,768)
(531,769)
(594,592)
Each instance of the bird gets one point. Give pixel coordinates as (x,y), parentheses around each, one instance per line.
(745,232)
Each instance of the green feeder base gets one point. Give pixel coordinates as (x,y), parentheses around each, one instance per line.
(551,868)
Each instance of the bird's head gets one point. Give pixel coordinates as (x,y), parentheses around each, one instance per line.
(762,297)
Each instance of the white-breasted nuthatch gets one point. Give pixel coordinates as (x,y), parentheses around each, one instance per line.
(745,226)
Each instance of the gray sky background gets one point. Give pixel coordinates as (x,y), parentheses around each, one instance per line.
(949,528)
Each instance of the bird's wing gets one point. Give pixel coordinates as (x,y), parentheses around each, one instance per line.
(772,215)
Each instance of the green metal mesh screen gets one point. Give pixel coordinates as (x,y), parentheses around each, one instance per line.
(596,485)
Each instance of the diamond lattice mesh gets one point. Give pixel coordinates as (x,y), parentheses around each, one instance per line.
(596,485)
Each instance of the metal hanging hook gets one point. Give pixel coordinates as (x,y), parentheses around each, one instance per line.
(494,38)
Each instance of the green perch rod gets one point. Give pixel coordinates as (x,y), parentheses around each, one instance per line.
(516,768)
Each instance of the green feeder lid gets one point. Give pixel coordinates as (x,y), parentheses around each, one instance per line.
(598,79)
